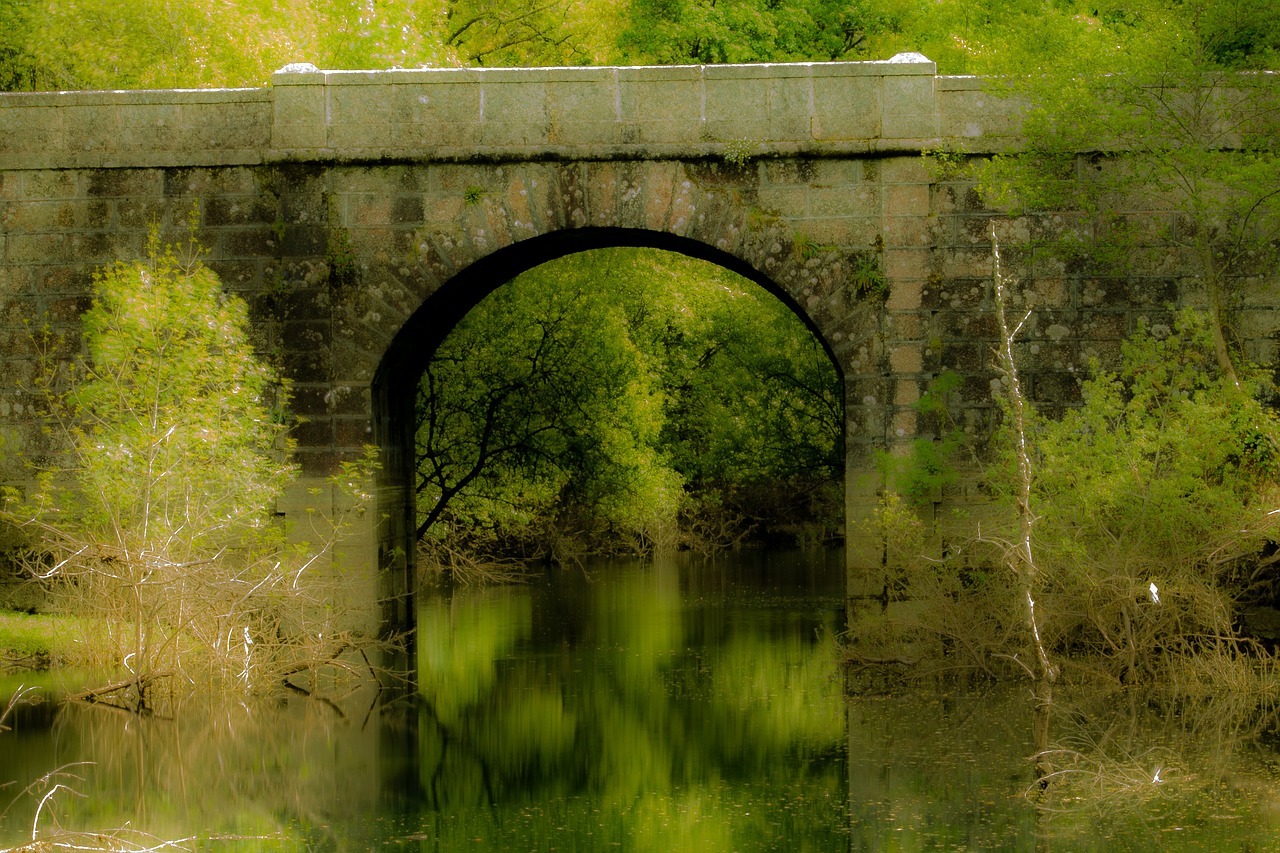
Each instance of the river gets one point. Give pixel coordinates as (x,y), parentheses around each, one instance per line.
(676,705)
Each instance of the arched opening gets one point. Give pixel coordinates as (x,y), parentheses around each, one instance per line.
(396,383)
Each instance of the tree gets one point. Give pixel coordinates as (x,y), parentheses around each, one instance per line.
(755,411)
(561,406)
(705,31)
(1176,129)
(1152,500)
(154,518)
(535,414)
(103,44)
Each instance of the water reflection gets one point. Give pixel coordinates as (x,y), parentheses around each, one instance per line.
(657,707)
(637,711)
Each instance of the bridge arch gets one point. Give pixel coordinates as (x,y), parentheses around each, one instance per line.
(421,332)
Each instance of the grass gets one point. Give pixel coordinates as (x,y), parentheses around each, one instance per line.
(38,641)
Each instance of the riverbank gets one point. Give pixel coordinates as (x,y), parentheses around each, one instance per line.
(38,641)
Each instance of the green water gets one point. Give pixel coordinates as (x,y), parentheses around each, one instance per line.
(676,706)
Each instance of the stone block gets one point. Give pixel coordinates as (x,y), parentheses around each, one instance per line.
(846,108)
(51,185)
(778,197)
(36,248)
(907,231)
(786,172)
(906,200)
(904,424)
(858,200)
(905,358)
(906,264)
(492,229)
(602,193)
(352,431)
(1058,387)
(910,107)
(247,242)
(789,117)
(967,263)
(905,170)
(664,105)
(837,173)
(42,216)
(856,233)
(367,211)
(299,112)
(658,182)
(222,210)
(100,247)
(513,114)
(447,115)
(138,183)
(737,109)
(583,111)
(906,392)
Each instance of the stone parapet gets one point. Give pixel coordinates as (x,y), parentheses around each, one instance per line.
(729,112)
(134,129)
(673,112)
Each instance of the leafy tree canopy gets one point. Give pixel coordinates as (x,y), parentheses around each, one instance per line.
(96,44)
(665,32)
(611,392)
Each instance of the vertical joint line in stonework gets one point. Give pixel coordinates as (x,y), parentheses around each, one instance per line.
(617,96)
(702,94)
(328,111)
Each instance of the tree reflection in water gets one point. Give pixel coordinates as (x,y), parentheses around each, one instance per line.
(655,708)
(647,715)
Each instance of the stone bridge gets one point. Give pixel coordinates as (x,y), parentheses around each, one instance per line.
(362,214)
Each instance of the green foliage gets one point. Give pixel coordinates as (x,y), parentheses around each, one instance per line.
(666,32)
(1163,461)
(930,464)
(946,164)
(103,44)
(536,412)
(755,409)
(1165,476)
(492,717)
(1175,129)
(738,152)
(37,641)
(340,258)
(1009,37)
(867,274)
(159,336)
(154,524)
(560,414)
(472,195)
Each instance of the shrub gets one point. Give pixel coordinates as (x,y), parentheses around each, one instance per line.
(154,524)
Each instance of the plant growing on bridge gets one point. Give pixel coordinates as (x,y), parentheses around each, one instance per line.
(1167,165)
(154,523)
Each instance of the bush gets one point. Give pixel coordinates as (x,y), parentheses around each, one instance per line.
(1155,504)
(155,523)
(1156,499)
